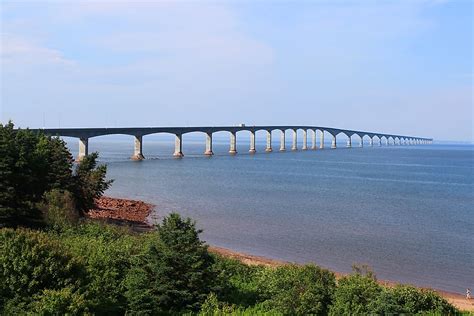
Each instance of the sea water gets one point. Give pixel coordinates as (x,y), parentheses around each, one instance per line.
(406,211)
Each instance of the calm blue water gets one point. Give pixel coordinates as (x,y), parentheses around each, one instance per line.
(406,211)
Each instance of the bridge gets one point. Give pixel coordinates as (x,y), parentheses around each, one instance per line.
(138,132)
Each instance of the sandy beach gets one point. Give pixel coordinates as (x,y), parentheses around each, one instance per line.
(134,214)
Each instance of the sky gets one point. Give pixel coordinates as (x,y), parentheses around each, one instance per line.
(402,67)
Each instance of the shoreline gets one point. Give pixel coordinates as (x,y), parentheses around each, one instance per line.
(135,214)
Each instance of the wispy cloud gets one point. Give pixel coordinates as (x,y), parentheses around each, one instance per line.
(15,50)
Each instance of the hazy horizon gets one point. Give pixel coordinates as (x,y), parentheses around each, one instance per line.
(400,67)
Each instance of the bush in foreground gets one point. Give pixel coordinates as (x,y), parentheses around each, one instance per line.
(99,269)
(297,290)
(174,272)
(360,294)
(30,263)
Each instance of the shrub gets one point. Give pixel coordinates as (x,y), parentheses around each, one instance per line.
(59,210)
(297,290)
(359,294)
(413,300)
(106,253)
(354,294)
(65,301)
(212,307)
(236,282)
(31,262)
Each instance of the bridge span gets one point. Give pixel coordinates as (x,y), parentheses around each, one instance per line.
(138,132)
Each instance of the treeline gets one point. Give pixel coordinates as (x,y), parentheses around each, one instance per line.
(53,261)
(38,175)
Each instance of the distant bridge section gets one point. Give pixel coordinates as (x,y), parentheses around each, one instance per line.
(138,132)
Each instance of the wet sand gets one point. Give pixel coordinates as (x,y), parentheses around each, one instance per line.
(135,214)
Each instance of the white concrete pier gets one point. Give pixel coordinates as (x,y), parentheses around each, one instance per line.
(313,140)
(208,151)
(83,148)
(305,140)
(334,144)
(138,150)
(233,143)
(178,146)
(321,140)
(252,149)
(269,149)
(282,141)
(294,146)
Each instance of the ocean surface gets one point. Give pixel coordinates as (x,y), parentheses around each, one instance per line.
(406,211)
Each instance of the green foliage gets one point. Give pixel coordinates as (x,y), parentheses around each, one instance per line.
(354,294)
(90,182)
(237,283)
(105,252)
(359,294)
(93,268)
(31,165)
(65,301)
(174,272)
(59,209)
(212,307)
(297,290)
(408,300)
(31,262)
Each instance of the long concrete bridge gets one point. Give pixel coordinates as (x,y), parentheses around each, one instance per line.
(138,132)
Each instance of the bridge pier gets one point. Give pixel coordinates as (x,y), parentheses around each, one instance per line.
(321,140)
(349,142)
(83,148)
(313,140)
(295,140)
(178,146)
(269,142)
(305,140)
(282,141)
(361,144)
(138,150)
(233,143)
(371,141)
(208,151)
(252,149)
(334,144)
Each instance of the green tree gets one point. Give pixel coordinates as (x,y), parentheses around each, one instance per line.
(18,181)
(174,273)
(89,182)
(32,164)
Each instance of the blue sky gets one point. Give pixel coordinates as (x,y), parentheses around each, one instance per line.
(402,67)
